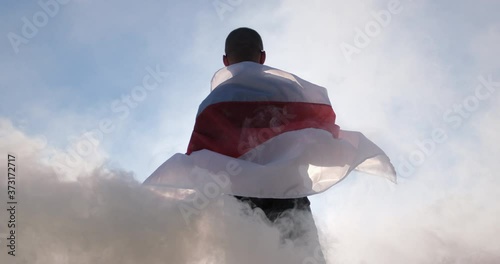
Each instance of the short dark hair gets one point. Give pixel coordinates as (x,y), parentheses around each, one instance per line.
(244,44)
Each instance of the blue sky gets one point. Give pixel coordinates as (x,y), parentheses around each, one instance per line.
(64,81)
(411,79)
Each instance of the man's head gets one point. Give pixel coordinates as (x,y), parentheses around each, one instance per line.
(244,44)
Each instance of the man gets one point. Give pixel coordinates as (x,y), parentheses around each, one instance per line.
(292,216)
(268,138)
(245,44)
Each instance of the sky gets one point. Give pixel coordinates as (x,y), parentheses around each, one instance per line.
(91,88)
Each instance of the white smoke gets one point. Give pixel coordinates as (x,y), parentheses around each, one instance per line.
(107,217)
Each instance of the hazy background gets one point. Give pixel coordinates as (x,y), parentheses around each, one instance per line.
(80,196)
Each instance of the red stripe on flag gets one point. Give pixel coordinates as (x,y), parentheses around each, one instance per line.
(234,128)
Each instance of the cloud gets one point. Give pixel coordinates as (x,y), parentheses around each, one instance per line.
(106,216)
(396,91)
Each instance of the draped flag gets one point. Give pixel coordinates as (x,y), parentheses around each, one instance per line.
(266,133)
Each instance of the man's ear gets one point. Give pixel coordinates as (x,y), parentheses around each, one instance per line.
(262,57)
(225,60)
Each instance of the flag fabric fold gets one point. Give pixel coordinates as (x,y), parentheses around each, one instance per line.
(266,133)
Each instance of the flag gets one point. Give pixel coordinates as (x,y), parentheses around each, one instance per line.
(263,132)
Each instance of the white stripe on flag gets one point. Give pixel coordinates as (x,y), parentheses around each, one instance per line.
(294,164)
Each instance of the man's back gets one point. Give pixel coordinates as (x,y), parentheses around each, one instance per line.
(268,138)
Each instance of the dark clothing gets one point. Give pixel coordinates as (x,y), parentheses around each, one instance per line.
(274,207)
(293,217)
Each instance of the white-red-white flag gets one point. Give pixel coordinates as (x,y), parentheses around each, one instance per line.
(266,133)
